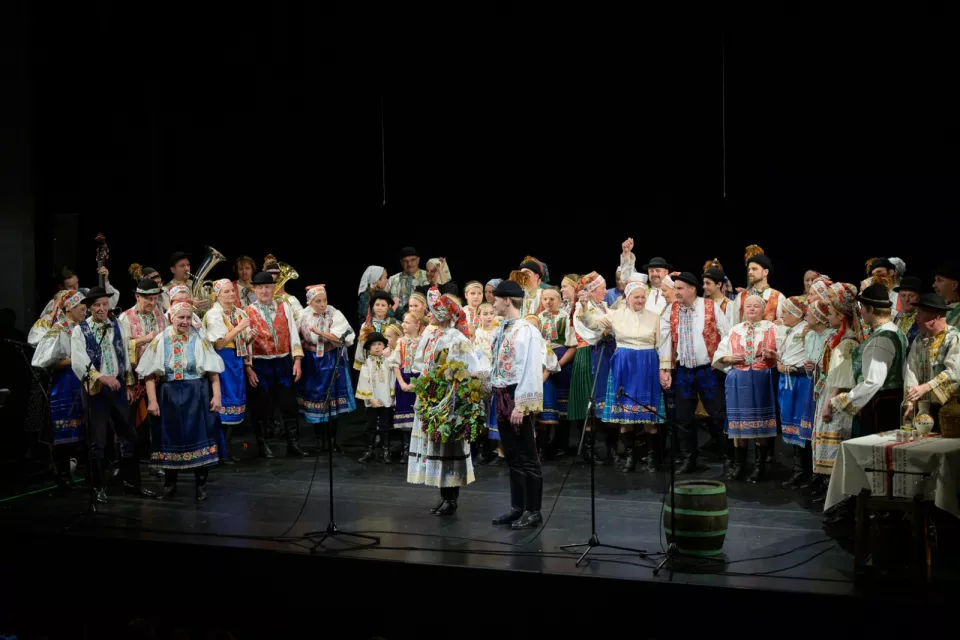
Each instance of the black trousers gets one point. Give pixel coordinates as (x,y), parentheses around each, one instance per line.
(379,420)
(284,398)
(520,452)
(106,408)
(882,413)
(705,384)
(199,476)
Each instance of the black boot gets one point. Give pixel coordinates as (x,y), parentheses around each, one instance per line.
(367,455)
(588,453)
(528,520)
(760,470)
(98,495)
(334,427)
(770,450)
(200,481)
(690,464)
(227,435)
(739,470)
(610,440)
(798,473)
(320,433)
(385,446)
(263,448)
(132,481)
(655,454)
(405,454)
(293,446)
(630,448)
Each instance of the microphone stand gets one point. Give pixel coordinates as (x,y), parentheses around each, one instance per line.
(594,540)
(332,530)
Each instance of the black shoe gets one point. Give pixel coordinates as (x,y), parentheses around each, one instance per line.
(739,470)
(264,448)
(529,520)
(510,517)
(630,463)
(143,493)
(437,507)
(653,463)
(448,508)
(498,461)
(385,457)
(367,455)
(294,450)
(169,490)
(201,493)
(760,470)
(99,496)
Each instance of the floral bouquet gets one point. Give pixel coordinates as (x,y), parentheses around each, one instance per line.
(450,402)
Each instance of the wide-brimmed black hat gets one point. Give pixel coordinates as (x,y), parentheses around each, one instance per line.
(533,266)
(147,287)
(687,278)
(911,283)
(409,252)
(762,260)
(658,263)
(381,295)
(177,256)
(932,302)
(876,296)
(263,278)
(949,270)
(95,294)
(508,289)
(374,337)
(714,274)
(149,272)
(882,263)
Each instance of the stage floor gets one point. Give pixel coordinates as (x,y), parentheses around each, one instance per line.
(262,498)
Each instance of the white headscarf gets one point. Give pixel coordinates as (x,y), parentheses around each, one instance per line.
(442,267)
(370,277)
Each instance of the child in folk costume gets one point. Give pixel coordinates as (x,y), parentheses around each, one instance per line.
(378,318)
(375,388)
(557,330)
(749,356)
(324,331)
(814,342)
(474,294)
(483,342)
(489,288)
(568,295)
(66,408)
(401,362)
(795,391)
(549,417)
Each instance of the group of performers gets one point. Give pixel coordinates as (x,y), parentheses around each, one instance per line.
(173,373)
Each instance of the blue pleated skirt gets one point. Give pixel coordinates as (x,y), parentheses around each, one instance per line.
(314,383)
(797,408)
(600,371)
(493,430)
(550,413)
(638,372)
(233,388)
(187,431)
(751,404)
(403,413)
(66,407)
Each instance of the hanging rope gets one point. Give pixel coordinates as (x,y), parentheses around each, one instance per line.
(383,161)
(723,108)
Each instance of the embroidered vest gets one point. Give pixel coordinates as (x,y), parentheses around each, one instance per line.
(711,336)
(770,312)
(263,344)
(96,355)
(895,372)
(136,327)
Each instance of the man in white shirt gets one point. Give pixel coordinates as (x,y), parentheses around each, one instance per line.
(401,285)
(759,267)
(100,358)
(690,332)
(657,269)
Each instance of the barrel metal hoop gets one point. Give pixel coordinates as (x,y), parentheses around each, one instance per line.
(694,512)
(697,534)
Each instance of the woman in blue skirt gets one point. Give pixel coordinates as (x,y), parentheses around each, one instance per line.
(188,401)
(557,331)
(633,381)
(795,390)
(748,354)
(228,329)
(324,332)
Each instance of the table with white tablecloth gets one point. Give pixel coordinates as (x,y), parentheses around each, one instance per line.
(933,455)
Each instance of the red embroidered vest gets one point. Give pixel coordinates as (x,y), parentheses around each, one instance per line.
(263,344)
(770,312)
(711,336)
(767,341)
(136,327)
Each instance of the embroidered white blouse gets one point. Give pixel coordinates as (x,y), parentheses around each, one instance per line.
(376,382)
(332,321)
(519,356)
(177,366)
(665,347)
(53,347)
(632,329)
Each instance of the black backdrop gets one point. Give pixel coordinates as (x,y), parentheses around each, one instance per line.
(261,133)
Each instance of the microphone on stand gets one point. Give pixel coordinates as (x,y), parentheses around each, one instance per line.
(619,393)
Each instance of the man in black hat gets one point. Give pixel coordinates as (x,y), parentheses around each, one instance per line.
(517,380)
(657,269)
(879,378)
(759,267)
(947,285)
(713,280)
(67,280)
(140,324)
(275,367)
(908,294)
(375,387)
(690,332)
(531,293)
(100,358)
(180,268)
(933,365)
(153,274)
(401,285)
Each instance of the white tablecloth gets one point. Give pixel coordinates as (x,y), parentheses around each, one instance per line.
(940,457)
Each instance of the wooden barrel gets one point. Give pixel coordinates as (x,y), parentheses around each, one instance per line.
(699,524)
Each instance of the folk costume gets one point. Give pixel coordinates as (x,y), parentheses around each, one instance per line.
(366,290)
(401,363)
(795,389)
(401,285)
(376,383)
(935,361)
(772,298)
(906,321)
(372,325)
(656,301)
(48,308)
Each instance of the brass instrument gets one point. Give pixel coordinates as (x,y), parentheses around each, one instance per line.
(202,288)
(287,273)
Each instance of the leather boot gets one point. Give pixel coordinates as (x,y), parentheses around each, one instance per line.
(630,449)
(405,455)
(334,427)
(690,464)
(293,446)
(170,483)
(367,455)
(610,440)
(227,435)
(132,480)
(587,452)
(760,470)
(448,508)
(655,455)
(798,472)
(385,446)
(739,470)
(770,450)
(320,433)
(200,481)
(263,448)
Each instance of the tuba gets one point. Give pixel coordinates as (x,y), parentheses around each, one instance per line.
(287,273)
(202,289)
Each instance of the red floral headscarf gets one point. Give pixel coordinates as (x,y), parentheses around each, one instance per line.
(445,308)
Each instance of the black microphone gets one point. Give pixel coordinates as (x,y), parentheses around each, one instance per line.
(619,393)
(343,338)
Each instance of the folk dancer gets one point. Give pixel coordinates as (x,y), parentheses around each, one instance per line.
(474,295)
(448,465)
(549,416)
(946,284)
(759,267)
(181,293)
(690,333)
(375,388)
(100,358)
(324,331)
(67,280)
(933,366)
(908,294)
(531,291)
(517,381)
(374,279)
(183,362)
(47,321)
(272,266)
(243,269)
(795,391)
(275,369)
(558,331)
(378,317)
(814,345)
(877,367)
(401,363)
(66,407)
(227,328)
(657,269)
(401,285)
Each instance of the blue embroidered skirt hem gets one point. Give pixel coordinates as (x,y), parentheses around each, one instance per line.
(233,388)
(493,430)
(187,433)
(638,372)
(66,407)
(751,404)
(403,413)
(796,409)
(314,384)
(550,414)
(600,370)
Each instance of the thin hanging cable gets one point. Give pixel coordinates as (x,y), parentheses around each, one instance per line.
(383,160)
(723,107)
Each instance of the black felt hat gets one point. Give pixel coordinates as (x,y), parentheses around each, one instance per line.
(147,287)
(762,260)
(658,263)
(381,295)
(911,283)
(932,302)
(714,274)
(533,266)
(883,263)
(409,252)
(508,289)
(149,272)
(263,278)
(375,337)
(177,256)
(688,278)
(95,294)
(949,270)
(876,296)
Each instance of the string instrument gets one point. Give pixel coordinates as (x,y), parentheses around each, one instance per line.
(103,252)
